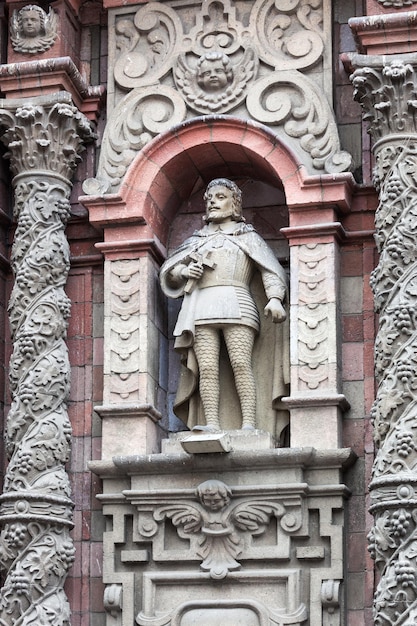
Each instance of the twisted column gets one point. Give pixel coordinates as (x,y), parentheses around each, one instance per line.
(44,139)
(387,92)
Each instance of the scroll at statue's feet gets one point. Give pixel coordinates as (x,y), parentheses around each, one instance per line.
(208,428)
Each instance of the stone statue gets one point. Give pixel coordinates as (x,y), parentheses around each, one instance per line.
(213,270)
(32,30)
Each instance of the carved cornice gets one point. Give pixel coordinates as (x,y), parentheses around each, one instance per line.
(391,33)
(44,139)
(30,78)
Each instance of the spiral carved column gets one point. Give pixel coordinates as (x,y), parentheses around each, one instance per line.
(388,95)
(44,139)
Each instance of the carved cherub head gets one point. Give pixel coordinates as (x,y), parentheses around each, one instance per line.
(31,21)
(236,197)
(32,30)
(214,71)
(214,495)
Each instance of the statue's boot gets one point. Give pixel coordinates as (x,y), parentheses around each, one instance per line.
(207,428)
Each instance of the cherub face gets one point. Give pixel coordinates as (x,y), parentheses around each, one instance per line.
(212,75)
(213,500)
(31,23)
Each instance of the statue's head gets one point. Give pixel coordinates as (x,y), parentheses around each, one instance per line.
(234,198)
(31,21)
(214,71)
(214,495)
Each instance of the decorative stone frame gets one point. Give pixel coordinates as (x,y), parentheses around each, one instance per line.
(136,223)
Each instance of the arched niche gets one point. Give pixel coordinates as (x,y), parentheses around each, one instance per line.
(158,203)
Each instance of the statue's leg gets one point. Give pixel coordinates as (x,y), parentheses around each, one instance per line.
(239,342)
(207,351)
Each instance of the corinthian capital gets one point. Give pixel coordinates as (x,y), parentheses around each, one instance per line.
(387,91)
(44,134)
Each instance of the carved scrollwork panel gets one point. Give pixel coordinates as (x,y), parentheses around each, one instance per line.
(147,45)
(290,32)
(296,103)
(140,116)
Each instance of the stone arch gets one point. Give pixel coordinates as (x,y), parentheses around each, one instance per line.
(166,171)
(136,224)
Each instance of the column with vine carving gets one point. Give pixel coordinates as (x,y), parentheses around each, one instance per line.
(387,91)
(44,139)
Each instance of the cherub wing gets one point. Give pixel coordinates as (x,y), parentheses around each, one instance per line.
(14,26)
(184,76)
(184,514)
(255,516)
(51,24)
(244,71)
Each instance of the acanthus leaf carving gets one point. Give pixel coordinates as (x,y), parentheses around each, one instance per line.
(388,97)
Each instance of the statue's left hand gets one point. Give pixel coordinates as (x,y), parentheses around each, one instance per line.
(276,310)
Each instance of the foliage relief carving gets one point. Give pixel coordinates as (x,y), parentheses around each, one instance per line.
(36,550)
(388,95)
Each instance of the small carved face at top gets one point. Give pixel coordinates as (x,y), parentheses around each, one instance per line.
(214,495)
(31,21)
(214,71)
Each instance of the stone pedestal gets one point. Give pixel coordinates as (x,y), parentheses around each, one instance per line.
(257,540)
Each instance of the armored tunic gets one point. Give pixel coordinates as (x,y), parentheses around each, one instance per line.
(222,295)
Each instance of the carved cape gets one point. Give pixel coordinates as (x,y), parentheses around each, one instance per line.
(270,357)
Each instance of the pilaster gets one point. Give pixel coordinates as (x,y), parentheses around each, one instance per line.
(316,403)
(44,141)
(386,87)
(132,345)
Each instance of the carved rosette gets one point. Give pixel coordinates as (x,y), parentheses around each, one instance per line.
(261,60)
(44,141)
(388,95)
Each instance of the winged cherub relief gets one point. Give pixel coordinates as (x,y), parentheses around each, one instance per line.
(32,30)
(215,84)
(221,523)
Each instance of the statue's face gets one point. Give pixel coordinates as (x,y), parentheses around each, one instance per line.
(31,23)
(219,204)
(212,75)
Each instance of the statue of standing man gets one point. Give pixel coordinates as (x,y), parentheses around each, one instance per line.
(213,270)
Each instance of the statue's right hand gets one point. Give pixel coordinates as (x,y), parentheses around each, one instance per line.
(193,270)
